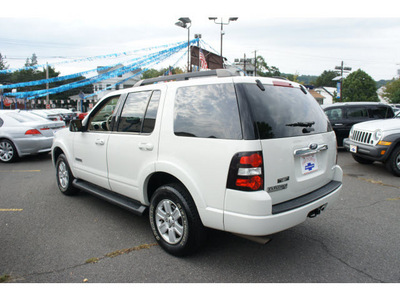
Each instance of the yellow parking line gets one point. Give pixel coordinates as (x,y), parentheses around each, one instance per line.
(11,209)
(17,171)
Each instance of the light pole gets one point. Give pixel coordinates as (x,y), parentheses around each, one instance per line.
(222,28)
(183,22)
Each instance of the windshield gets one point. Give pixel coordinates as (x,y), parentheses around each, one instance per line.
(280,112)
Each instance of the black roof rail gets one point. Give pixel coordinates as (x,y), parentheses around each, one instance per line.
(187,76)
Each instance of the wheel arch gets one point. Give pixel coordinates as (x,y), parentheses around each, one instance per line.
(160,178)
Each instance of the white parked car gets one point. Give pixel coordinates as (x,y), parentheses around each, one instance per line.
(376,141)
(247,155)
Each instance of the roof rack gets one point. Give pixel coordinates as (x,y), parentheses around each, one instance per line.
(187,76)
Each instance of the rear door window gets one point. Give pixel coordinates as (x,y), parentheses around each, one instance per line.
(139,112)
(280,112)
(357,113)
(207,111)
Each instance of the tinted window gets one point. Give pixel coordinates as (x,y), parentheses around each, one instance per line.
(151,113)
(334,114)
(380,112)
(357,112)
(207,111)
(1,122)
(280,112)
(132,115)
(101,120)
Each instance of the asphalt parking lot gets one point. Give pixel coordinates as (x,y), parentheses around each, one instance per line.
(48,237)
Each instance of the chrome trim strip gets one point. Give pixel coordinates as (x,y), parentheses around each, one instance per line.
(308,151)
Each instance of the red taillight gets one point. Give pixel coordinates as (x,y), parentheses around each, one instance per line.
(255,160)
(32,131)
(254,183)
(246,172)
(45,128)
(282,83)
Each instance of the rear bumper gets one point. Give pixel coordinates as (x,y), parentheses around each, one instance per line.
(34,145)
(283,216)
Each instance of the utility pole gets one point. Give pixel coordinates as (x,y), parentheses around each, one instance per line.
(255,63)
(47,83)
(340,79)
(244,64)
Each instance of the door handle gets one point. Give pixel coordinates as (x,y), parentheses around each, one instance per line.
(99,142)
(339,124)
(146,146)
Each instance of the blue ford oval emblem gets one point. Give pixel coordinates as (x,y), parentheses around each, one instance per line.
(313,146)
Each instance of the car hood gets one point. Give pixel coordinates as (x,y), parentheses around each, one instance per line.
(384,125)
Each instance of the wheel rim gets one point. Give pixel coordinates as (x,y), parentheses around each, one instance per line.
(169,221)
(63,177)
(397,161)
(6,151)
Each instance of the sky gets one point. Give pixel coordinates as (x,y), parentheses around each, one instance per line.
(298,37)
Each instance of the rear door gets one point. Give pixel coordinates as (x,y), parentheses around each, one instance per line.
(133,146)
(299,146)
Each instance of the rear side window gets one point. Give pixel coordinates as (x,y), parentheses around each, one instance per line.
(279,112)
(380,112)
(207,111)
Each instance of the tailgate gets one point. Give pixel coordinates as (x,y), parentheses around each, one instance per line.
(297,166)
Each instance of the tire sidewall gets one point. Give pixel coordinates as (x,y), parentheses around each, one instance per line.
(392,162)
(69,189)
(15,154)
(170,192)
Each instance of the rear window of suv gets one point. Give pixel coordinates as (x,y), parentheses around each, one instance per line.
(279,112)
(207,111)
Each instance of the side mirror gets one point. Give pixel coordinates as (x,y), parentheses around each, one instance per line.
(76,126)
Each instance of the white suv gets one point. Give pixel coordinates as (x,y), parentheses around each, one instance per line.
(248,155)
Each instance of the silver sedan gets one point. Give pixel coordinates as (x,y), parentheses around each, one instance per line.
(22,133)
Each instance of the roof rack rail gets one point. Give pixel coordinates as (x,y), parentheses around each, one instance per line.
(186,76)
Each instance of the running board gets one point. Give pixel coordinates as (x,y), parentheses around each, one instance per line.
(127,203)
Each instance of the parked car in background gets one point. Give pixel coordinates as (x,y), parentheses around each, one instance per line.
(80,115)
(377,140)
(66,114)
(345,114)
(47,114)
(23,133)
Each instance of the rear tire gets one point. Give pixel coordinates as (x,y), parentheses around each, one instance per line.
(393,163)
(175,221)
(8,152)
(362,160)
(64,176)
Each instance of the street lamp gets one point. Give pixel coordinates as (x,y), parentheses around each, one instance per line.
(183,22)
(222,28)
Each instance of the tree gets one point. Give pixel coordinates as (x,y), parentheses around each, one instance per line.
(264,70)
(4,78)
(152,73)
(359,86)
(32,62)
(392,91)
(325,79)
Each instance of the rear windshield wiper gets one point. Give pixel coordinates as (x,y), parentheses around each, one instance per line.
(301,124)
